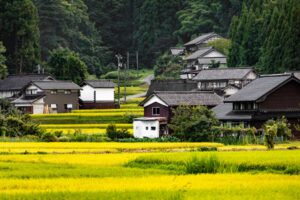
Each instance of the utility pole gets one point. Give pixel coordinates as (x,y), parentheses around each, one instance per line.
(119,58)
(137,62)
(125,82)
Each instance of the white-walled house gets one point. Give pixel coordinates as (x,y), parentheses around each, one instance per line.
(97,94)
(149,127)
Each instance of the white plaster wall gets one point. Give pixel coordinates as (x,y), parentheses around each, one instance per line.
(102,94)
(251,76)
(230,91)
(139,129)
(87,93)
(38,106)
(105,94)
(155,99)
(6,94)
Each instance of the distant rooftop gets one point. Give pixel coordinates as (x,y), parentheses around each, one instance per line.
(171,85)
(191,98)
(56,85)
(17,82)
(199,53)
(201,39)
(100,83)
(223,74)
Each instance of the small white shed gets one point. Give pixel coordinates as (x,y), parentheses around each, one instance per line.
(150,127)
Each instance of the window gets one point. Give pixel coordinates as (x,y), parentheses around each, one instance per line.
(147,128)
(67,91)
(68,106)
(53,108)
(153,128)
(155,111)
(53,92)
(31,92)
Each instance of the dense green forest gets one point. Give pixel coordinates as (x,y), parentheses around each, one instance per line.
(95,31)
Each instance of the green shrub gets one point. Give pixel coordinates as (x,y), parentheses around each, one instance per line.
(114,134)
(49,137)
(162,139)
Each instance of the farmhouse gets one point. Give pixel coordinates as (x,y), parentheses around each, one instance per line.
(171,85)
(40,97)
(97,94)
(203,58)
(158,110)
(225,81)
(201,41)
(12,86)
(268,97)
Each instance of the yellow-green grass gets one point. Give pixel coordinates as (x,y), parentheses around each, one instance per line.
(32,147)
(130,106)
(131,90)
(83,126)
(91,131)
(102,114)
(104,176)
(134,100)
(136,109)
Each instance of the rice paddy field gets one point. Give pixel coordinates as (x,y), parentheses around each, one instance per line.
(171,171)
(94,121)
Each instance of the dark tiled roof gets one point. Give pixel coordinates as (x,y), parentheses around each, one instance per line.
(27,99)
(56,85)
(100,83)
(259,88)
(189,98)
(17,82)
(224,112)
(199,53)
(201,39)
(223,74)
(171,85)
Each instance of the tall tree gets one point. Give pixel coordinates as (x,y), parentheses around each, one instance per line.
(3,68)
(66,23)
(20,34)
(67,65)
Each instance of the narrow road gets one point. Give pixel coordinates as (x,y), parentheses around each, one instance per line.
(145,80)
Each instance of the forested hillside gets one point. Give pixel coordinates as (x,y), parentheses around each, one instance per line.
(94,31)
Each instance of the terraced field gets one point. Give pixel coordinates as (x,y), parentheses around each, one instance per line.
(93,121)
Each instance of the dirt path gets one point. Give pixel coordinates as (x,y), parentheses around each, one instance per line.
(145,80)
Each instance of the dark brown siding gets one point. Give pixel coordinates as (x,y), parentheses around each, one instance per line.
(60,98)
(164,111)
(285,98)
(103,105)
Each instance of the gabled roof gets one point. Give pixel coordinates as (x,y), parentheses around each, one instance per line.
(171,85)
(17,82)
(56,85)
(191,98)
(100,83)
(201,39)
(27,99)
(297,75)
(261,87)
(199,53)
(223,74)
(177,51)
